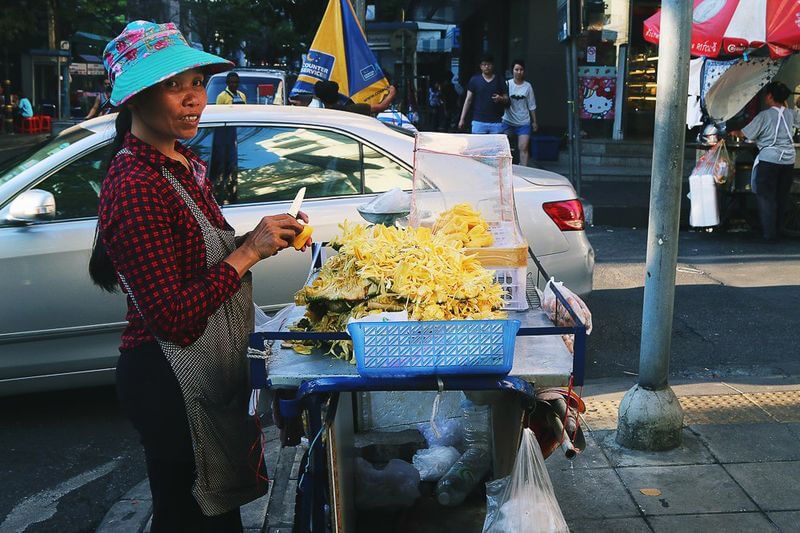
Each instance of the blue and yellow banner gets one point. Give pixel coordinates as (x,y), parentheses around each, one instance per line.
(340,53)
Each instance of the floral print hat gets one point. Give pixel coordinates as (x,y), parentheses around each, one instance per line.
(146,53)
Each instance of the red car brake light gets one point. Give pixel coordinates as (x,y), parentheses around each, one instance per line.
(567,214)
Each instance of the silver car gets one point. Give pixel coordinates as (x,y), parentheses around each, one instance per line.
(57,330)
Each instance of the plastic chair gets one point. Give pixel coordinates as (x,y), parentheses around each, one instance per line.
(45,123)
(29,125)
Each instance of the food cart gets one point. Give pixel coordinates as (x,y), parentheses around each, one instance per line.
(526,353)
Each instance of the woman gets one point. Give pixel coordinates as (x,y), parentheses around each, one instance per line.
(771,130)
(101,104)
(520,116)
(182,373)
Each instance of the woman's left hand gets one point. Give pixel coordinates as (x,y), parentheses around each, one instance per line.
(304,217)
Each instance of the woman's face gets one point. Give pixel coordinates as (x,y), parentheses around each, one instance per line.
(519,72)
(172,108)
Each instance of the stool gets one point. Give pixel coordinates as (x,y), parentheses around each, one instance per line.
(45,123)
(29,125)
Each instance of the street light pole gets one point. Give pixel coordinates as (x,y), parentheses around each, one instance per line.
(650,416)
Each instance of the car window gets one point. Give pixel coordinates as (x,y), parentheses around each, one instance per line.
(19,165)
(76,187)
(256,89)
(251,164)
(382,173)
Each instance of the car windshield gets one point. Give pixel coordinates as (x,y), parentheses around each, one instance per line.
(25,161)
(256,89)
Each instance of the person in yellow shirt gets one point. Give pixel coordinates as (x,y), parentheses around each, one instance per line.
(231,94)
(225,147)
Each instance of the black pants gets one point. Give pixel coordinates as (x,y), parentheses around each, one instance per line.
(150,396)
(773,183)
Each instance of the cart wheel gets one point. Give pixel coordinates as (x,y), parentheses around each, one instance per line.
(791,220)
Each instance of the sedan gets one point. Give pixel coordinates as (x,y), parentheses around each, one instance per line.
(57,330)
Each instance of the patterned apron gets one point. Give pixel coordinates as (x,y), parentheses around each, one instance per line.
(214,378)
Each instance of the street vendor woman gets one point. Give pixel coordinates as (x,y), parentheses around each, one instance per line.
(772,131)
(182,374)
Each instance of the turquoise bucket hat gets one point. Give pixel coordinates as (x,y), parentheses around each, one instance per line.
(146,53)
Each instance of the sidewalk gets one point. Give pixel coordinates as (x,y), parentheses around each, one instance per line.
(737,470)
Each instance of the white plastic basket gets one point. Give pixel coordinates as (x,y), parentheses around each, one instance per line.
(513,281)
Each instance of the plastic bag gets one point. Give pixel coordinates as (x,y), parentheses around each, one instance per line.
(716,163)
(395,485)
(558,313)
(451,432)
(392,201)
(432,463)
(524,502)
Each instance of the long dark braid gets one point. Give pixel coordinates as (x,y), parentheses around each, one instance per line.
(101,269)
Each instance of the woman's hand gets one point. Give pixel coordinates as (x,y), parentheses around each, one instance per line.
(270,236)
(273,234)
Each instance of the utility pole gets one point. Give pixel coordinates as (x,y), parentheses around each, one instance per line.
(360,7)
(650,416)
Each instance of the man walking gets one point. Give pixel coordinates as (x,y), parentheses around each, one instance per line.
(490,95)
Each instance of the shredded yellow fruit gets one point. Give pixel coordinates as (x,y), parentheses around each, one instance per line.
(464,224)
(382,268)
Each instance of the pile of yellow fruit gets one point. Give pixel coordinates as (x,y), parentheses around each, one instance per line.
(378,268)
(464,224)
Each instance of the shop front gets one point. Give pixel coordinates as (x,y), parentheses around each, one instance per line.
(86,71)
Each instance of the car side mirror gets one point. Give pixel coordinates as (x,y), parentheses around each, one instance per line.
(34,205)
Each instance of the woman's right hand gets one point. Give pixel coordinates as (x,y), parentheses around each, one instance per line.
(270,236)
(273,234)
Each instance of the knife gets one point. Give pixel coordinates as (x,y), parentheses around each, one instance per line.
(297,202)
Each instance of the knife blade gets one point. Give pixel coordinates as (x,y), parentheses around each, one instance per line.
(297,202)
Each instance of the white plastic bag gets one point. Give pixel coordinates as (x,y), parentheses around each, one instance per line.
(451,432)
(395,485)
(432,463)
(392,201)
(524,502)
(558,313)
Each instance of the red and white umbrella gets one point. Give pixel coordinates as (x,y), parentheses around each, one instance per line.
(731,27)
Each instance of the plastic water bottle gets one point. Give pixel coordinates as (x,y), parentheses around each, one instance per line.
(463,476)
(473,465)
(477,430)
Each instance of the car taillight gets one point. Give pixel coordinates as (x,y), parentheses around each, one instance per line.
(567,214)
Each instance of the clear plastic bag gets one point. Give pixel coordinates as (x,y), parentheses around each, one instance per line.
(716,163)
(558,313)
(434,462)
(451,432)
(524,502)
(395,485)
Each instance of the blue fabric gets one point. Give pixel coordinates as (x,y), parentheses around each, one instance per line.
(25,108)
(487,127)
(483,109)
(362,68)
(525,129)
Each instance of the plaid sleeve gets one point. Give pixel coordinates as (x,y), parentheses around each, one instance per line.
(142,249)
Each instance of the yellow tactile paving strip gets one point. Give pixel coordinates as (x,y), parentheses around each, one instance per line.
(781,406)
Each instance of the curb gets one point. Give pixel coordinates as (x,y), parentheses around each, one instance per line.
(131,514)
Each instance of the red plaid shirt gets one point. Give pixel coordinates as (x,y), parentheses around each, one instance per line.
(155,242)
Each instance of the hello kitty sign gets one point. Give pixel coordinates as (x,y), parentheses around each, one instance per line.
(597,87)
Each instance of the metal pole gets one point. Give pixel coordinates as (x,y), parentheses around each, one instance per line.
(576,117)
(650,415)
(360,7)
(570,112)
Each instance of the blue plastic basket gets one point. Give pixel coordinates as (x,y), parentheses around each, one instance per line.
(455,347)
